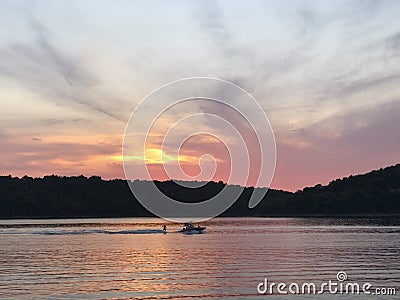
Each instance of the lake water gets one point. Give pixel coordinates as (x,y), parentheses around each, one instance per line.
(132,258)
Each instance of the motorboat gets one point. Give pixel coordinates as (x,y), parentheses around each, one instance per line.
(189,228)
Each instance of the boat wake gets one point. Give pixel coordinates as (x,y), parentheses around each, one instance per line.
(66,229)
(81,231)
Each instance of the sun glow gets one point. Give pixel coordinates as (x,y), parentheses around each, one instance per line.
(158,156)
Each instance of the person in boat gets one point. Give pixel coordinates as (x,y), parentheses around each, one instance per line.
(189,226)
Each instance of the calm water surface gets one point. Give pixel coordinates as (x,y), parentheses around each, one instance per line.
(132,258)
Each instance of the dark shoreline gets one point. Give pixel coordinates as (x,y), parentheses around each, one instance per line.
(372,195)
(352,216)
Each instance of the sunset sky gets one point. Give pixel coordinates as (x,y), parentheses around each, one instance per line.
(327,74)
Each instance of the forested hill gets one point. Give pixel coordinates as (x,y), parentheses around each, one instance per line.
(374,193)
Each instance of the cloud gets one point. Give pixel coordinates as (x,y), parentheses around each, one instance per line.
(62,78)
(66,66)
(37,126)
(351,143)
(394,41)
(325,72)
(38,156)
(365,84)
(211,18)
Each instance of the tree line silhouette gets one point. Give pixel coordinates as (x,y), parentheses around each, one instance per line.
(374,193)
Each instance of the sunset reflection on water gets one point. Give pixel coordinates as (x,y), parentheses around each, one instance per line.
(58,261)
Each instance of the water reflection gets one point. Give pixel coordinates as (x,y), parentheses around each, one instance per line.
(229,261)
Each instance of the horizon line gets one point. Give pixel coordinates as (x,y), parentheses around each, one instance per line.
(216,182)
